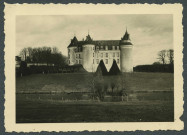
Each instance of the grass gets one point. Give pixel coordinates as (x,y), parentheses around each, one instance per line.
(81,82)
(58,112)
(158,107)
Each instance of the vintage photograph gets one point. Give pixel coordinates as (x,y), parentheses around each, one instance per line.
(94,68)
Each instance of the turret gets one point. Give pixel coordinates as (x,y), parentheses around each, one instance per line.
(71,51)
(88,54)
(126,53)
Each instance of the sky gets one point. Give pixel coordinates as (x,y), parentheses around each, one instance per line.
(149,33)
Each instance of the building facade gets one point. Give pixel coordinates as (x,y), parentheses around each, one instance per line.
(89,52)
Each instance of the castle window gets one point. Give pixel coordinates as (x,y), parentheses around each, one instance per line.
(97,48)
(76,55)
(113,54)
(106,47)
(93,48)
(101,55)
(106,61)
(93,54)
(97,55)
(113,47)
(79,55)
(106,54)
(118,54)
(93,61)
(97,61)
(117,61)
(77,61)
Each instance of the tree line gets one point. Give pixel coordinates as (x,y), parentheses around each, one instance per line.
(166,56)
(48,55)
(165,63)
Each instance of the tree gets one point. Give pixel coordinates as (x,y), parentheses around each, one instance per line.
(156,63)
(55,50)
(124,86)
(100,90)
(162,56)
(44,54)
(98,86)
(113,85)
(23,53)
(29,50)
(170,55)
(91,84)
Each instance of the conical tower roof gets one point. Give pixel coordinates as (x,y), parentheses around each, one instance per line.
(114,70)
(125,40)
(126,36)
(74,42)
(88,38)
(101,69)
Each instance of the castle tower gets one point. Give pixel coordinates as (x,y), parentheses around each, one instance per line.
(88,54)
(71,51)
(126,54)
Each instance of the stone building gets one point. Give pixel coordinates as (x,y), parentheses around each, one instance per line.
(90,52)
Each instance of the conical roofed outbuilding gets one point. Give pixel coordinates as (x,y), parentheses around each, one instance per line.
(114,70)
(101,69)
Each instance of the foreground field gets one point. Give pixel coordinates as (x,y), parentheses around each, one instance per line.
(57,112)
(150,99)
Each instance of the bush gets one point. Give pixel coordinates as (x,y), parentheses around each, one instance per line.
(169,68)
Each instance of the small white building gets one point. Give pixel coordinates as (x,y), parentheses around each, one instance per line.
(89,52)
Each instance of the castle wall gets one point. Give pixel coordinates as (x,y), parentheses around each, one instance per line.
(78,57)
(107,59)
(88,57)
(126,58)
(72,55)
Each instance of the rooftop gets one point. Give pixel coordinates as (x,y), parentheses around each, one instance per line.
(125,40)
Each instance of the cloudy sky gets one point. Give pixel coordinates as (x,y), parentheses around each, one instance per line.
(149,33)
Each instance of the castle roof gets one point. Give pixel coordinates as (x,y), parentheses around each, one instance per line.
(88,39)
(74,42)
(125,40)
(126,36)
(97,43)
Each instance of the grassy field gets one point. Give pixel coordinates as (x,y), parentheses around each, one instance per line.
(81,82)
(158,106)
(57,112)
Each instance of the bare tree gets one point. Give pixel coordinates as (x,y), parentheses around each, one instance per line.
(100,89)
(29,49)
(162,56)
(170,55)
(124,86)
(113,85)
(24,53)
(91,85)
(55,50)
